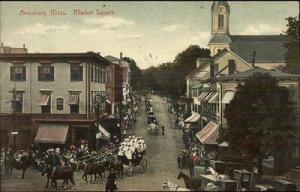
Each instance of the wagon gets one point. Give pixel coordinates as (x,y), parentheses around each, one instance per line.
(153,129)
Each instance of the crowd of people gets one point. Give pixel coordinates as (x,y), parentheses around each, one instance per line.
(132,150)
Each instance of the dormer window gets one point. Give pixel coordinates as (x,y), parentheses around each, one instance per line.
(221,22)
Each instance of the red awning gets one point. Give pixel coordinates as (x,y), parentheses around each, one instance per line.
(52,133)
(74,99)
(44,100)
(209,134)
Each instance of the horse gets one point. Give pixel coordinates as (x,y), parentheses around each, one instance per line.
(23,164)
(59,173)
(111,182)
(190,183)
(93,169)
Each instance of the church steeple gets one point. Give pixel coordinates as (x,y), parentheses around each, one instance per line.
(220,11)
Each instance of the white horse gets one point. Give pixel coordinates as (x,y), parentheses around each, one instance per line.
(173,187)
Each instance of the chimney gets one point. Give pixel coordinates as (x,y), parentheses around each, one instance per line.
(121,55)
(24,46)
(201,61)
(1,44)
(253,59)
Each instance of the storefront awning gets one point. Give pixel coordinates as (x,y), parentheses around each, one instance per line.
(44,100)
(197,101)
(208,96)
(202,96)
(52,133)
(108,101)
(193,118)
(228,97)
(102,130)
(74,99)
(214,98)
(209,133)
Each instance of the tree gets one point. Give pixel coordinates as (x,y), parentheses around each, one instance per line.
(185,62)
(169,78)
(291,36)
(259,119)
(136,78)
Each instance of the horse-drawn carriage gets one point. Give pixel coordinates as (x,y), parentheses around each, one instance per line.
(153,129)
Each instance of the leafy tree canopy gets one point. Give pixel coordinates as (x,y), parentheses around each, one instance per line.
(259,118)
(292,43)
(169,78)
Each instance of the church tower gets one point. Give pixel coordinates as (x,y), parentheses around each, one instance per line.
(220,36)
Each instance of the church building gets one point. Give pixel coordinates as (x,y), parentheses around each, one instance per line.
(269,49)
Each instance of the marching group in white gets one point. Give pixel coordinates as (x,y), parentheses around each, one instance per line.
(132,145)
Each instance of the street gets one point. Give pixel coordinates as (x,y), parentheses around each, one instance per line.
(161,156)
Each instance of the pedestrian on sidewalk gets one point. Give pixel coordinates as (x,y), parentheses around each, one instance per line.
(163,130)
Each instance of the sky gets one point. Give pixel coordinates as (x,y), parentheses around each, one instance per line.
(149,32)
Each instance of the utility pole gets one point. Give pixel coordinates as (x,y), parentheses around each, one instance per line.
(13,116)
(97,102)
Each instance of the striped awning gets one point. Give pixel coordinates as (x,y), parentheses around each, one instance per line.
(103,131)
(205,95)
(52,133)
(214,98)
(44,100)
(209,134)
(74,99)
(228,97)
(193,118)
(208,96)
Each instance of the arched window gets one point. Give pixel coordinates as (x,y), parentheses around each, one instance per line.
(221,21)
(59,104)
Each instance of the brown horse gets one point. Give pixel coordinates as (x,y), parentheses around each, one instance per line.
(23,164)
(59,173)
(190,183)
(93,169)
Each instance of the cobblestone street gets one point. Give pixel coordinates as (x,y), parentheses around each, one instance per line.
(161,154)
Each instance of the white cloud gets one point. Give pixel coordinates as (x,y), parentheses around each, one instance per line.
(172,27)
(89,31)
(201,36)
(128,37)
(110,22)
(42,29)
(261,29)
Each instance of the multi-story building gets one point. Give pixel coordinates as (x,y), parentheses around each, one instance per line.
(113,87)
(213,83)
(125,71)
(50,97)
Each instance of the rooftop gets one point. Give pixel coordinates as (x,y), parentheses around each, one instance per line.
(53,56)
(269,48)
(248,73)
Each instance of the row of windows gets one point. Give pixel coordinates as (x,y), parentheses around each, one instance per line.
(99,74)
(46,73)
(45,102)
